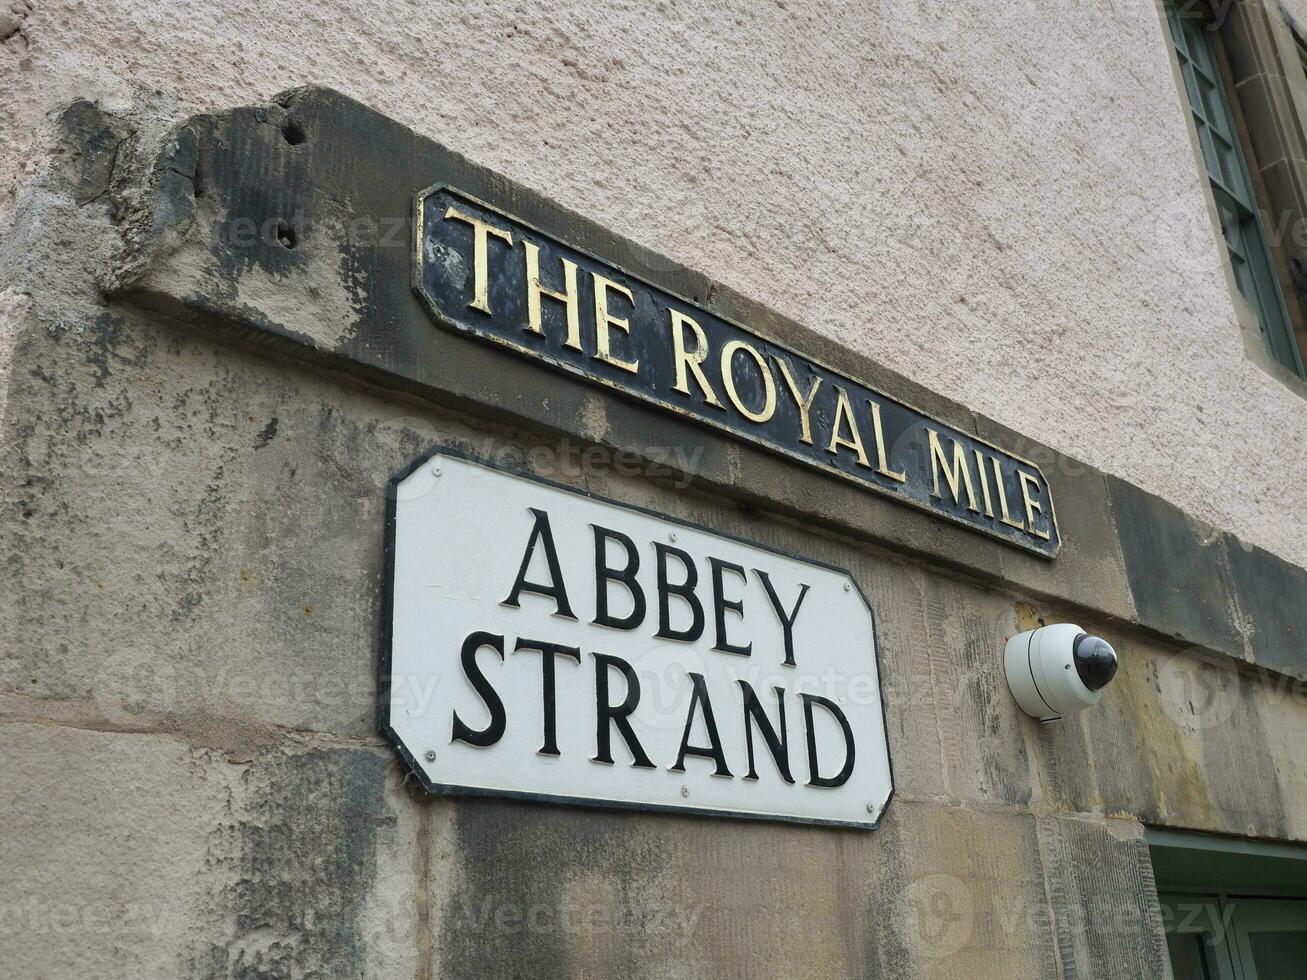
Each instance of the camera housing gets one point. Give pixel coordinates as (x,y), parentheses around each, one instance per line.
(1057,670)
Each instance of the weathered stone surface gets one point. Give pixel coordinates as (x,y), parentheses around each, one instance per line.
(1178,571)
(103,850)
(1271,595)
(136,855)
(241,593)
(1182,738)
(954,730)
(242,639)
(314,873)
(340,292)
(1104,900)
(593,894)
(199,531)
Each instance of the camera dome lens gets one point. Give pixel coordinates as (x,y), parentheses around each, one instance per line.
(1095,661)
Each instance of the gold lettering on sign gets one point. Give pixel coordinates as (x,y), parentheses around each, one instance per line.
(882,457)
(534,291)
(728,381)
(984,482)
(715,363)
(1004,514)
(480,259)
(689,362)
(843,411)
(804,402)
(1032,505)
(604,320)
(959,474)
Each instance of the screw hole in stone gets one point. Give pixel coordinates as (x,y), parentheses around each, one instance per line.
(286,234)
(292,132)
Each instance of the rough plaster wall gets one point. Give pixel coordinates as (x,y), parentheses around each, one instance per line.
(999,200)
(1297,12)
(11,303)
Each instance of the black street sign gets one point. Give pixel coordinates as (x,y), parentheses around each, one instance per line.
(485,273)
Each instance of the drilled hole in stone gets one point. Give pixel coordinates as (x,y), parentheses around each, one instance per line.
(292,132)
(286,234)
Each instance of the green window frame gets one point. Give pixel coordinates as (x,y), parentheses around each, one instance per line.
(1232,186)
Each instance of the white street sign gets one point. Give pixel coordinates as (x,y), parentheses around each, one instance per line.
(551,645)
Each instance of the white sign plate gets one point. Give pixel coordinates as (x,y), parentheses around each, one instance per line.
(552,645)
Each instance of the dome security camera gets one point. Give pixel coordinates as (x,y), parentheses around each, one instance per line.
(1057,670)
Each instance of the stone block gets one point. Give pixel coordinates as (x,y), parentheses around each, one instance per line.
(136,855)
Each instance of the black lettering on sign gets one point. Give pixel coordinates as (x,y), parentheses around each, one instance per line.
(608,715)
(700,701)
(548,684)
(786,618)
(484,273)
(494,729)
(814,774)
(777,738)
(722,605)
(683,590)
(541,534)
(605,573)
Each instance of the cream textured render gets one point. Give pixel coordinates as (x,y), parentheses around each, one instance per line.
(999,200)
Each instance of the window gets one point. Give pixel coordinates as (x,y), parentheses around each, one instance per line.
(1232,909)
(1229,937)
(1251,257)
